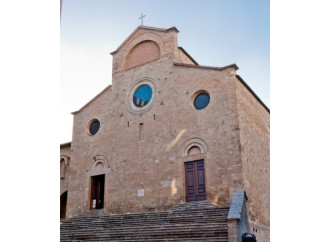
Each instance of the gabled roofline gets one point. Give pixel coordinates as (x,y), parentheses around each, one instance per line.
(186,53)
(143,27)
(207,67)
(75,112)
(252,92)
(223,68)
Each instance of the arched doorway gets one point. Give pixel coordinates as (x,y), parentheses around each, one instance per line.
(63,200)
(97,192)
(193,157)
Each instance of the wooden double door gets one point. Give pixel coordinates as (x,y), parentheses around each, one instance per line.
(97,192)
(195,181)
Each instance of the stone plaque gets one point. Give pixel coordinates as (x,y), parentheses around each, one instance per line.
(140,192)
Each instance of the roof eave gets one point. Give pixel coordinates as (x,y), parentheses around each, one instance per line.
(186,53)
(67,144)
(208,67)
(75,112)
(252,92)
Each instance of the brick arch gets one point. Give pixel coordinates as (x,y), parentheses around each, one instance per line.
(153,37)
(98,159)
(194,150)
(144,52)
(65,158)
(188,144)
(98,165)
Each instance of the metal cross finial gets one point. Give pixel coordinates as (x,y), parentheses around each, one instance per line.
(142,16)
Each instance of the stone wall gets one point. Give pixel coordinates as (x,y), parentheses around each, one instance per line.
(65,154)
(217,124)
(152,158)
(254,140)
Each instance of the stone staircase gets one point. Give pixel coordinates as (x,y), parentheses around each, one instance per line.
(193,221)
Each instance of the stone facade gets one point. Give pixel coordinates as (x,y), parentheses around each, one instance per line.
(142,151)
(64,166)
(254,140)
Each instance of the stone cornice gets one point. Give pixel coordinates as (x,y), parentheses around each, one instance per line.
(208,67)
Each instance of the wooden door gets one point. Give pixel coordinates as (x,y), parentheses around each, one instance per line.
(97,192)
(195,181)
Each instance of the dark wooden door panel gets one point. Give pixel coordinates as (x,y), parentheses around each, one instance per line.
(195,181)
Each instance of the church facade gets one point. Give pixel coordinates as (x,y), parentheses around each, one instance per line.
(167,131)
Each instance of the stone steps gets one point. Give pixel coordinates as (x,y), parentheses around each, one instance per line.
(154,228)
(195,221)
(216,238)
(148,220)
(157,233)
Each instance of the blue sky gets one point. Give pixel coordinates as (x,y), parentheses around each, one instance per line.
(214,33)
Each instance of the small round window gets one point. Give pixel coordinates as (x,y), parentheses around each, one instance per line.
(142,96)
(94,127)
(201,100)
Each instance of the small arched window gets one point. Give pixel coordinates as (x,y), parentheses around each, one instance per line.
(63,168)
(194,150)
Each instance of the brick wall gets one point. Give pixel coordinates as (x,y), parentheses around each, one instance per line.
(143,52)
(154,161)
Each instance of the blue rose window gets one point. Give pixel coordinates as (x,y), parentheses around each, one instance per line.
(142,96)
(201,101)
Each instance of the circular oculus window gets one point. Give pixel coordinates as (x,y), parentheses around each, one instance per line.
(94,127)
(142,96)
(201,100)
